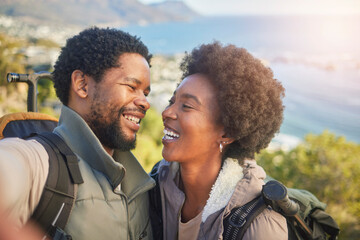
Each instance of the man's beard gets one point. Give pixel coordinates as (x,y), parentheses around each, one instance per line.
(105,123)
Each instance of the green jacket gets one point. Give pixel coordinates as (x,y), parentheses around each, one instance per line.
(112,203)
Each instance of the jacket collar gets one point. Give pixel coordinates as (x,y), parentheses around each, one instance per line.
(223,188)
(82,141)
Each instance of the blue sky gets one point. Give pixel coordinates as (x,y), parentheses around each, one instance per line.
(234,7)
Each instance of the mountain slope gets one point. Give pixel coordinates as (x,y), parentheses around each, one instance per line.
(88,12)
(176,7)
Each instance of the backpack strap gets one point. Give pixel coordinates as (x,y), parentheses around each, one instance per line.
(59,194)
(155,205)
(60,147)
(239,219)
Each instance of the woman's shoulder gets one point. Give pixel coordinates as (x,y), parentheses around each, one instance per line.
(269,225)
(163,168)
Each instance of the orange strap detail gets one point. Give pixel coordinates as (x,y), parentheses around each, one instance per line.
(4,120)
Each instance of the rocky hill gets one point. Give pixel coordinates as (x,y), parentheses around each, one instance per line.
(114,13)
(177,8)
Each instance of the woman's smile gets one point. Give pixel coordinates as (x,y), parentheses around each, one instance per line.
(170,135)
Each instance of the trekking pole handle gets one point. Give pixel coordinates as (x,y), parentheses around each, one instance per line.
(16,77)
(33,77)
(31,80)
(275,194)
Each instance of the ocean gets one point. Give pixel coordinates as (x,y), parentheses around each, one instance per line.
(317,59)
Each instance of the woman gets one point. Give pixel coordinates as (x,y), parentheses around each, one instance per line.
(227,108)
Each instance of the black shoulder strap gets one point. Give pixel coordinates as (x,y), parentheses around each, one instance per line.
(59,193)
(60,147)
(239,220)
(155,205)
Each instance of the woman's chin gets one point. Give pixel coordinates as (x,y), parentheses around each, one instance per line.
(167,156)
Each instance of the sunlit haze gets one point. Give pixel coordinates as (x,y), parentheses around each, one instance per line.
(272,7)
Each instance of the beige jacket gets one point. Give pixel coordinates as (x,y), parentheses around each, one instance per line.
(234,187)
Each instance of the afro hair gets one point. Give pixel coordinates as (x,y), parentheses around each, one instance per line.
(249,97)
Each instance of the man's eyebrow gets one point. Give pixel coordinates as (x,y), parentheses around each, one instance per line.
(136,81)
(187,95)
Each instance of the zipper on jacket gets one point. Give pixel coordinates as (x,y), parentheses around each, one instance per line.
(120,193)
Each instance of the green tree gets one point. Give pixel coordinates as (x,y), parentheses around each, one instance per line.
(148,146)
(11,58)
(327,166)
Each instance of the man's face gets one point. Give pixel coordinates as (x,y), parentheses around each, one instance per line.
(118,102)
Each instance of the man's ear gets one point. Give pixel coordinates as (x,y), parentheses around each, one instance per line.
(79,83)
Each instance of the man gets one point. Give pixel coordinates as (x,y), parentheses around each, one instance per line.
(102,77)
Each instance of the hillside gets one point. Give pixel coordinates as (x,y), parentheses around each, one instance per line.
(178,8)
(113,13)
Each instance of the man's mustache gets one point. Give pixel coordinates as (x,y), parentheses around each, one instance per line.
(126,109)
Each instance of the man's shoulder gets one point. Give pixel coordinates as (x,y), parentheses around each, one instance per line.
(24,169)
(21,157)
(27,157)
(23,148)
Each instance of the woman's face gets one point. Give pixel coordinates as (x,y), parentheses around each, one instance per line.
(192,130)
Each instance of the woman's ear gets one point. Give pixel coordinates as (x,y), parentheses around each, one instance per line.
(227,140)
(79,83)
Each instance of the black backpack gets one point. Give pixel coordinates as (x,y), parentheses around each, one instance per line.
(59,193)
(305,214)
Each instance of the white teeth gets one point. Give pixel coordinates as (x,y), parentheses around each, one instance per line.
(170,134)
(166,137)
(132,118)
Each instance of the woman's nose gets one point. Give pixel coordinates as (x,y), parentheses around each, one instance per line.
(169,113)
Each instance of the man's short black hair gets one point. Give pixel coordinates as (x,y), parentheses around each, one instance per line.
(93,51)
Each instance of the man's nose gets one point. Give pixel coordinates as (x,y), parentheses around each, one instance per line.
(142,103)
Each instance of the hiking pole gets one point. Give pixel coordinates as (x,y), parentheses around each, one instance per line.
(275,195)
(31,80)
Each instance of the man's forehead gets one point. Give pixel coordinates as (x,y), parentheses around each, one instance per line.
(124,57)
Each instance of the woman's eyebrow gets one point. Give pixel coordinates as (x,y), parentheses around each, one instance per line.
(190,96)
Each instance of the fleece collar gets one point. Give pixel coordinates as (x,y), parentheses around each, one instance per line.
(223,188)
